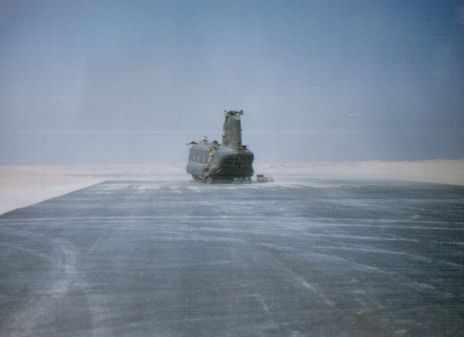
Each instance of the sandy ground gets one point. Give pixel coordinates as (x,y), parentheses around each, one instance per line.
(22,186)
(432,171)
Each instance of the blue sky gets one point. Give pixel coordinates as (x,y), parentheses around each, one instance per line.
(134,81)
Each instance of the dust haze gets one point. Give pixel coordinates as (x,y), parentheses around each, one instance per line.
(132,83)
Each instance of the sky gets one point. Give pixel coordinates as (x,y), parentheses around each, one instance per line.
(103,82)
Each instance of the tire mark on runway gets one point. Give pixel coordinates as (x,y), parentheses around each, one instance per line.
(64,277)
(97,304)
(299,279)
(315,289)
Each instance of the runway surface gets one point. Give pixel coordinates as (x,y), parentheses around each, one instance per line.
(298,257)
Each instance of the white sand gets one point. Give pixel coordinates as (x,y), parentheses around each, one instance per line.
(22,186)
(433,171)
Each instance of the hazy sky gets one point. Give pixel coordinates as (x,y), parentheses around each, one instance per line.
(134,81)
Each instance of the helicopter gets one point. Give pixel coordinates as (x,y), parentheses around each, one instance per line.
(231,161)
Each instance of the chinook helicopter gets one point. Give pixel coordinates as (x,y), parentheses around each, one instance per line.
(227,162)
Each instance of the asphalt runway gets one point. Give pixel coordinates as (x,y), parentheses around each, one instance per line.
(297,257)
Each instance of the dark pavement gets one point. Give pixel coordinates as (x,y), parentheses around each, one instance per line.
(291,258)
